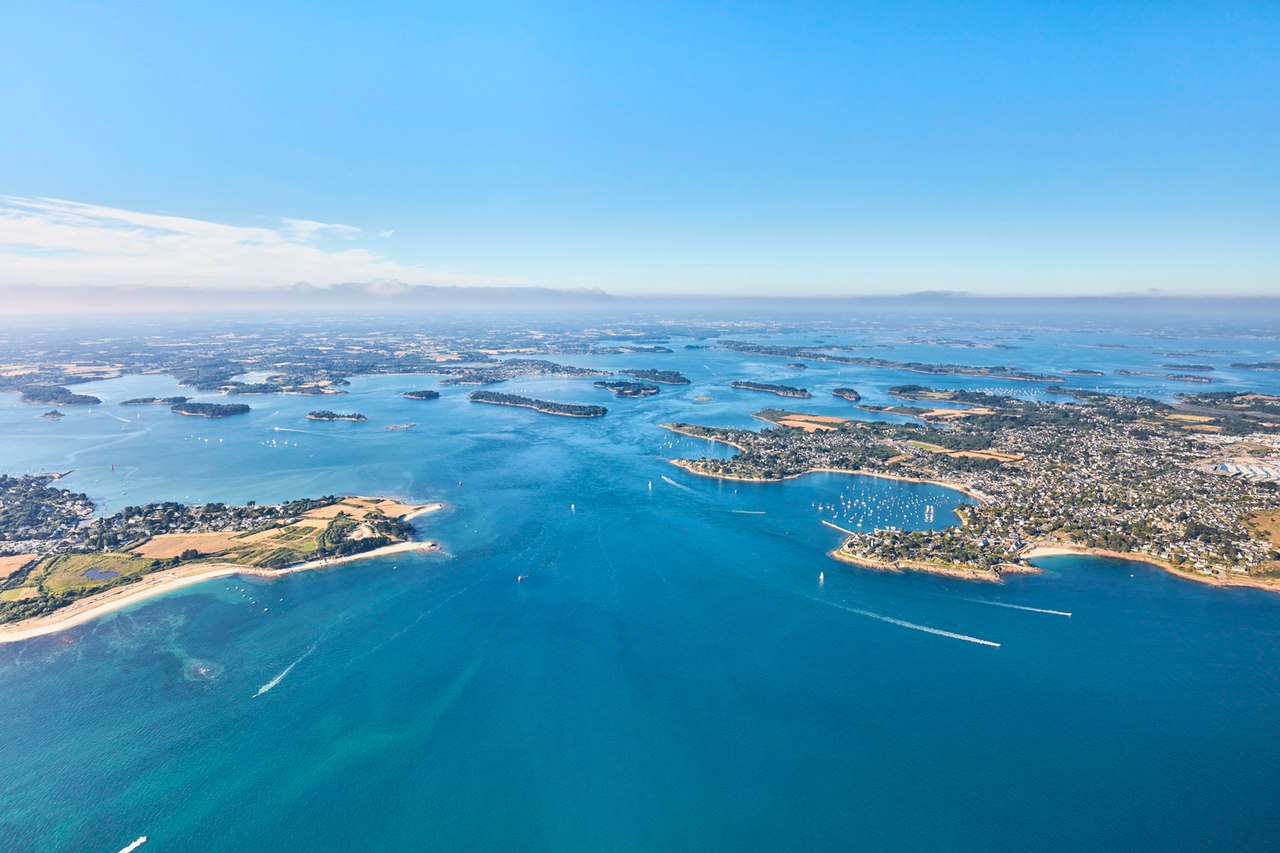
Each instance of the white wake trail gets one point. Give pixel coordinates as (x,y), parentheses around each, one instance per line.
(284,672)
(902,623)
(1020,607)
(135,845)
(672,482)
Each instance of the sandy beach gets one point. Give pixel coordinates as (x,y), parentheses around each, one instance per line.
(1271,584)
(160,583)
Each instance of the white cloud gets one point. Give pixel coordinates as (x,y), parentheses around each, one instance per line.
(47,241)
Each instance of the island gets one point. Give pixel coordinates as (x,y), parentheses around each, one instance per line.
(425,394)
(149,401)
(1256,365)
(629,389)
(662,377)
(55,395)
(53,415)
(849,394)
(1193,492)
(797,366)
(780,390)
(326,415)
(60,566)
(210,410)
(568,410)
(1084,372)
(1200,367)
(1177,377)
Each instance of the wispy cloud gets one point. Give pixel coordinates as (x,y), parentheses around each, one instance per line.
(46,241)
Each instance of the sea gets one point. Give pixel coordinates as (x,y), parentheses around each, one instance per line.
(612,654)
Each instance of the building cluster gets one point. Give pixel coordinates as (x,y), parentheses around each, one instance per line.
(1111,473)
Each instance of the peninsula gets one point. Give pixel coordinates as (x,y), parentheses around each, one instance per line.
(59,565)
(568,410)
(1119,476)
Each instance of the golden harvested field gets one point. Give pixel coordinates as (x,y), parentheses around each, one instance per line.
(10,563)
(173,544)
(359,508)
(1267,524)
(947,414)
(1194,419)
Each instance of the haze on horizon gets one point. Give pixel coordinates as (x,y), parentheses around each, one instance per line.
(812,149)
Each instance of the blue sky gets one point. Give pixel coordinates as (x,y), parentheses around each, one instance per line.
(647,147)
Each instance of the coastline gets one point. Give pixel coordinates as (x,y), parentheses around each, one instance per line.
(149,586)
(1034,551)
(687,465)
(953,570)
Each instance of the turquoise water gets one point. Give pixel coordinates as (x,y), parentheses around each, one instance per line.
(671,674)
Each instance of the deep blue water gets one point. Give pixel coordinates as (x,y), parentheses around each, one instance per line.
(672,673)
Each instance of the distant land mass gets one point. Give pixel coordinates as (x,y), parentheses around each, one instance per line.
(426,394)
(390,295)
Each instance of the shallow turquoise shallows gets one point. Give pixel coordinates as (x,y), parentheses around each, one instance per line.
(682,667)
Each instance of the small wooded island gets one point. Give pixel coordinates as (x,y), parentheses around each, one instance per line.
(149,401)
(849,394)
(326,415)
(629,389)
(568,410)
(780,390)
(55,395)
(210,410)
(665,377)
(425,394)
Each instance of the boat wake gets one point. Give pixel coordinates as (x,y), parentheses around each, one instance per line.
(266,688)
(902,623)
(135,845)
(1020,607)
(672,482)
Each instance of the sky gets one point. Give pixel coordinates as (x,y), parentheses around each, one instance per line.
(785,148)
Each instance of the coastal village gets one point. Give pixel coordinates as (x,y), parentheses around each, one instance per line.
(1113,475)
